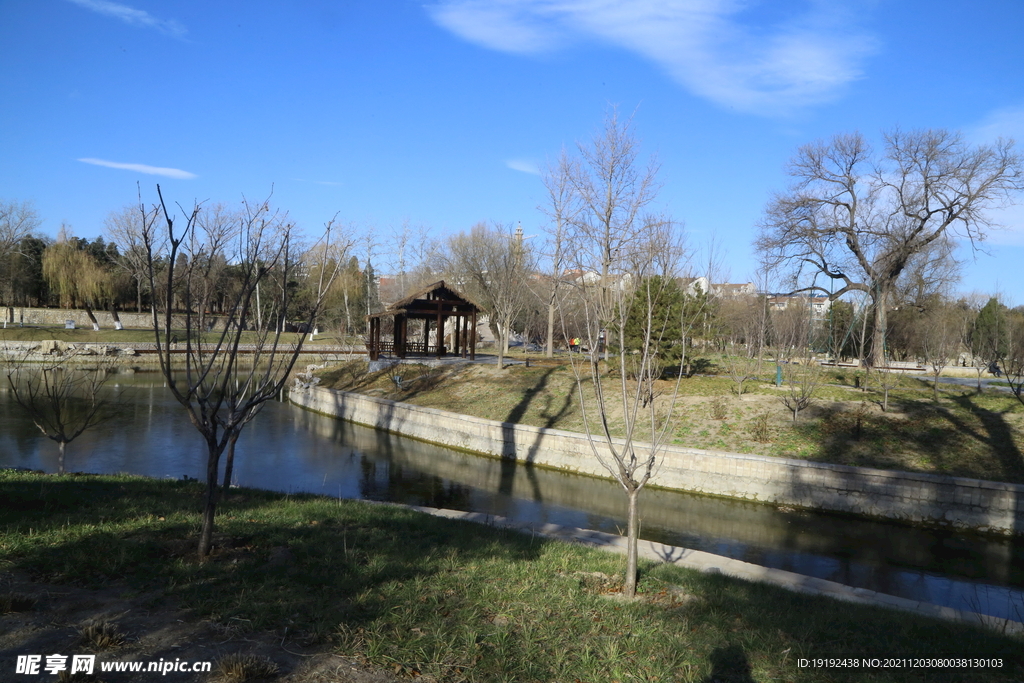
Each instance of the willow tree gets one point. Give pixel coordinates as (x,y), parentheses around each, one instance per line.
(862,218)
(203,365)
(75,275)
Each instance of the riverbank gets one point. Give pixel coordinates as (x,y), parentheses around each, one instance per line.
(963,434)
(946,502)
(413,596)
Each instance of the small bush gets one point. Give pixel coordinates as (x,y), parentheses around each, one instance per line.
(239,668)
(760,428)
(719,409)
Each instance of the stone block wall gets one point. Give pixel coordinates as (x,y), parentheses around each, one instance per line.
(55,317)
(954,502)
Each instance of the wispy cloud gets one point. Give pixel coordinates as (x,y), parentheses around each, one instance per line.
(715,48)
(143,168)
(1007,123)
(523,166)
(1004,122)
(135,17)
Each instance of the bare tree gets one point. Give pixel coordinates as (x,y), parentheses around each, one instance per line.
(862,219)
(494,264)
(220,391)
(612,192)
(17,221)
(939,334)
(626,260)
(562,209)
(61,400)
(1013,362)
(803,379)
(130,229)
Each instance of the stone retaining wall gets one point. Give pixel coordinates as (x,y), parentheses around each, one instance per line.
(960,503)
(56,317)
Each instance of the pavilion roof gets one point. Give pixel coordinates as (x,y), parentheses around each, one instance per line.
(431,294)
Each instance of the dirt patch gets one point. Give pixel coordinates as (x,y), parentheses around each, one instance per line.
(154,629)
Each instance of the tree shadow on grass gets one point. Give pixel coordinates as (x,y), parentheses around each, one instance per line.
(928,439)
(314,563)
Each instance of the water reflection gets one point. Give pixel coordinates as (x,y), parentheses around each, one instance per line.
(289,449)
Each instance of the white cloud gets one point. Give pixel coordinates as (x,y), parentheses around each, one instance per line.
(135,17)
(1005,122)
(523,165)
(143,168)
(703,44)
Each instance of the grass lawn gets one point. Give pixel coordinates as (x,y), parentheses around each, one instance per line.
(427,598)
(962,434)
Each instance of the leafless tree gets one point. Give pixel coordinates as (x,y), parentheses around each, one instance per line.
(129,229)
(493,263)
(862,218)
(17,221)
(939,334)
(220,391)
(803,378)
(562,209)
(62,400)
(1013,363)
(610,226)
(626,259)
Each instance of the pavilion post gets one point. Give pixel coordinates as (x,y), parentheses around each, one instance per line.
(440,332)
(456,337)
(472,337)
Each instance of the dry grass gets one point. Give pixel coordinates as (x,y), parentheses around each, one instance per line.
(239,668)
(964,434)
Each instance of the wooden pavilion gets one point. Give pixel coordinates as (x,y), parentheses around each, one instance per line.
(434,304)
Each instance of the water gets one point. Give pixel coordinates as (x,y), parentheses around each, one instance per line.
(288,449)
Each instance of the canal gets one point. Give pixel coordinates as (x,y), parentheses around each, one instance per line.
(289,449)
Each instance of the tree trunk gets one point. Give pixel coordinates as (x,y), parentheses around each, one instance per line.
(549,348)
(502,341)
(60,458)
(878,333)
(632,540)
(210,499)
(229,464)
(88,312)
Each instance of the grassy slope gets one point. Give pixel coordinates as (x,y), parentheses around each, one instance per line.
(964,434)
(459,601)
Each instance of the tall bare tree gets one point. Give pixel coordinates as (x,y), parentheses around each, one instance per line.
(612,191)
(219,389)
(562,209)
(18,220)
(626,259)
(862,218)
(130,229)
(493,264)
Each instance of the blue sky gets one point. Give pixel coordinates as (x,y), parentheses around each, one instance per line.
(439,113)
